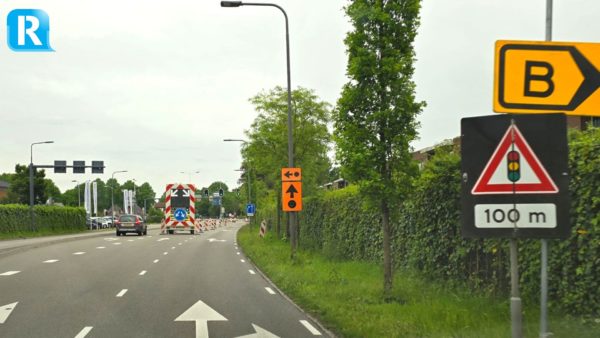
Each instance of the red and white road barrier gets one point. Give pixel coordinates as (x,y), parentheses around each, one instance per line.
(263,229)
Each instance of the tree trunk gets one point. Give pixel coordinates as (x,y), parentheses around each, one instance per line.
(387,251)
(279,213)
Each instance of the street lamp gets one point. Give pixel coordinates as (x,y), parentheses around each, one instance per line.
(292,215)
(31,192)
(190,174)
(112,194)
(78,192)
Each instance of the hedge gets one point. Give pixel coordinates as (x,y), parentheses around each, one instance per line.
(15,218)
(427,233)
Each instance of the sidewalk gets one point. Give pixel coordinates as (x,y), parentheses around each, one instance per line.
(11,246)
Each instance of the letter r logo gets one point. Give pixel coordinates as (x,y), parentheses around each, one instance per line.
(28,30)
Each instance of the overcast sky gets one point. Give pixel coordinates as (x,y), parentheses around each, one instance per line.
(153,87)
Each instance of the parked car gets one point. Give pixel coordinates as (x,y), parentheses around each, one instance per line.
(131,223)
(94,223)
(108,221)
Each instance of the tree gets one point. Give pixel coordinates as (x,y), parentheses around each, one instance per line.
(145,192)
(52,190)
(18,191)
(376,114)
(266,151)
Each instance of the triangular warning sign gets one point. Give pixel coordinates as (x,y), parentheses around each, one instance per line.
(514,169)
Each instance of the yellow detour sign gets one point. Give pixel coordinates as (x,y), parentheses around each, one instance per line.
(542,77)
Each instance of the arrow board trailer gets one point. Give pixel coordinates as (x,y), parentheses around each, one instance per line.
(515,181)
(180,209)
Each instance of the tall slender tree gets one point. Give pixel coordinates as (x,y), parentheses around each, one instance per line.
(375,119)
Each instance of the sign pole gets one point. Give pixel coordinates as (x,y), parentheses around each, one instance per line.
(544,258)
(515,298)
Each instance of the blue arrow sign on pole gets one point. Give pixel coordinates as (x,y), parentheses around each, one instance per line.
(250,209)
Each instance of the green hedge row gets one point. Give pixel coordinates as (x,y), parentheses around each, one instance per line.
(15,218)
(427,233)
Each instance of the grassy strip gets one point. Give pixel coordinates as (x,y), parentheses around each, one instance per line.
(39,233)
(347,297)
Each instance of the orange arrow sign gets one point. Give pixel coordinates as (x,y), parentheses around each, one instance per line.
(291,174)
(291,193)
(541,77)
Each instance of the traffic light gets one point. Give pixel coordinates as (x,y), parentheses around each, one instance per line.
(97,167)
(221,192)
(78,167)
(205,192)
(60,167)
(514,170)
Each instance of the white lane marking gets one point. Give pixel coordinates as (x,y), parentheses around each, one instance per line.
(149,236)
(238,253)
(163,239)
(269,290)
(155,261)
(165,253)
(51,261)
(100,247)
(121,293)
(143,272)
(6,310)
(84,332)
(9,273)
(172,248)
(243,261)
(180,243)
(110,239)
(130,240)
(310,328)
(79,253)
(116,243)
(252,272)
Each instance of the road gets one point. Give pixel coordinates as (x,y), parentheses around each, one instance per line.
(150,286)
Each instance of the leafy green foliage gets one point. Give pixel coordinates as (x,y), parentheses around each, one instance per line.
(427,234)
(14,218)
(19,186)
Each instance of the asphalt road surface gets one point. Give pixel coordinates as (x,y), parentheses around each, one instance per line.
(177,285)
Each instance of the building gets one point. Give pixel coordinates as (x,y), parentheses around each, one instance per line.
(4,189)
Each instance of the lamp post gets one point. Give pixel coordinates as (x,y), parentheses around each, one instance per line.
(31,189)
(78,192)
(112,194)
(190,174)
(247,172)
(292,215)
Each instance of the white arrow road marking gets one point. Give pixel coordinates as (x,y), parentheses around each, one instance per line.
(5,311)
(163,239)
(310,328)
(252,272)
(216,240)
(201,314)
(51,261)
(100,247)
(121,293)
(9,273)
(269,290)
(260,333)
(84,332)
(155,261)
(143,272)
(79,253)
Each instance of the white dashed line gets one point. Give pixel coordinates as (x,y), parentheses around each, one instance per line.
(155,261)
(130,240)
(9,273)
(79,253)
(310,328)
(243,261)
(116,243)
(238,253)
(100,247)
(252,272)
(180,243)
(121,293)
(172,248)
(51,261)
(269,290)
(84,332)
(165,253)
(143,272)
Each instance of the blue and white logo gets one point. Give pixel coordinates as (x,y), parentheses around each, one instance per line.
(180,214)
(28,30)
(250,209)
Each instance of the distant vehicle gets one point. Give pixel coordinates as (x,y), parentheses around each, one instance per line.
(131,223)
(94,223)
(108,221)
(180,211)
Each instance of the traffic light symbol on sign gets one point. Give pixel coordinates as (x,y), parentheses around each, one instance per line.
(514,166)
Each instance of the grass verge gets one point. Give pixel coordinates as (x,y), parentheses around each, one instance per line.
(346,296)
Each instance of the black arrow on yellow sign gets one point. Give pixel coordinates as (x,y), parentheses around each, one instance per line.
(291,190)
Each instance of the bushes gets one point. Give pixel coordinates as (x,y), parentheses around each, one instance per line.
(427,233)
(15,218)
